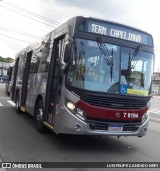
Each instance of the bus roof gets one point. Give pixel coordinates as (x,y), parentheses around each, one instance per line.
(63,28)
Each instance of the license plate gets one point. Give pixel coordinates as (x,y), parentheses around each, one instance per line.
(112,128)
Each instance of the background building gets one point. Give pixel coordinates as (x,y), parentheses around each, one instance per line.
(3,68)
(156,83)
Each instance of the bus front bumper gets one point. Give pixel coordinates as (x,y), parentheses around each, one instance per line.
(70,124)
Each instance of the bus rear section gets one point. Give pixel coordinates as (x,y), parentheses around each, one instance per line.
(88,77)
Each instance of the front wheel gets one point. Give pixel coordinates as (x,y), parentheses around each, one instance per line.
(39,117)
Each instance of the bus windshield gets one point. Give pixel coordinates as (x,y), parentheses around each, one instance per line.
(103,67)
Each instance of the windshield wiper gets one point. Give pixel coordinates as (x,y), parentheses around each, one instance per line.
(104,51)
(107,56)
(136,56)
(111,70)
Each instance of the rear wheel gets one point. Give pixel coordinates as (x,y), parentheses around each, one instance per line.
(39,117)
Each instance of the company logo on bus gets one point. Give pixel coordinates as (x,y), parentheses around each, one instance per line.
(117,115)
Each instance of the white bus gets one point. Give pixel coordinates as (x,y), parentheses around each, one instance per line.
(88,76)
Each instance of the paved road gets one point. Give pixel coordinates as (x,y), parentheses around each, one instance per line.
(20,142)
(155,109)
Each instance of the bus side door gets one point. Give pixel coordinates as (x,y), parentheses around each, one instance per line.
(54,83)
(13,80)
(25,79)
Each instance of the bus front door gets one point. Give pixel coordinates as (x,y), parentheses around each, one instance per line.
(25,80)
(54,82)
(13,81)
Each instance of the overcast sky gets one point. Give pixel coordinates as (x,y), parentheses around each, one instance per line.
(23,27)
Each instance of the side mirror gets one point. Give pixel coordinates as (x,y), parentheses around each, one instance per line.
(68,53)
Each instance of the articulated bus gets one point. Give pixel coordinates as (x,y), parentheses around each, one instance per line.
(88,76)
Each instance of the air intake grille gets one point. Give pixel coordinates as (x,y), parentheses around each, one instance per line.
(112,102)
(102,125)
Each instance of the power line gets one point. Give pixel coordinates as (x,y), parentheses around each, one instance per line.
(19,32)
(55,13)
(32,13)
(15,38)
(26,16)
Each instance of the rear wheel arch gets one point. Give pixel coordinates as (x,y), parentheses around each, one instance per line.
(39,114)
(39,98)
(17,103)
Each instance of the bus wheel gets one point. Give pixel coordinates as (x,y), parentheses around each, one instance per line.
(39,117)
(18,110)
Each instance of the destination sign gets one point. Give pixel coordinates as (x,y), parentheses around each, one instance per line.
(118,31)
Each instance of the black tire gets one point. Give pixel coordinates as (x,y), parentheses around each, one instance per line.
(17,105)
(7,92)
(39,117)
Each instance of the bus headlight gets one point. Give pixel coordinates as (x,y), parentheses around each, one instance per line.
(80,113)
(75,110)
(71,106)
(144,117)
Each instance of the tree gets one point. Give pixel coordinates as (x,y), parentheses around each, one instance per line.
(7,60)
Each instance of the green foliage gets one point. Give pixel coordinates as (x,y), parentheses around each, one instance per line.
(7,60)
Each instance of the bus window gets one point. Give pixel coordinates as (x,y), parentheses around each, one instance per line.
(92,70)
(34,62)
(136,71)
(45,54)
